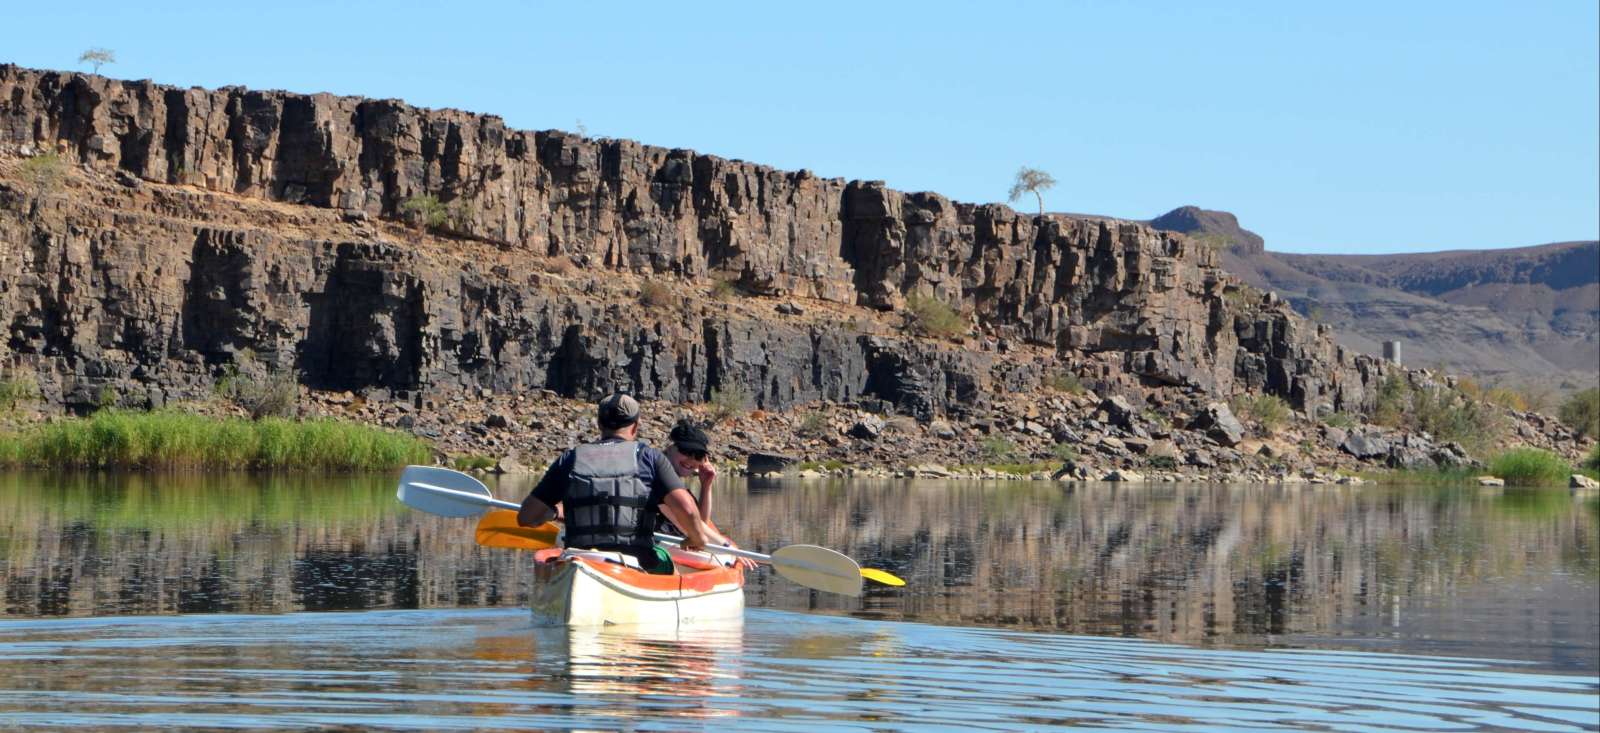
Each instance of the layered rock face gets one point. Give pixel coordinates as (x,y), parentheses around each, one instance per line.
(198,225)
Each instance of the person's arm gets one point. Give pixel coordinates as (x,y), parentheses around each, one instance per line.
(540,505)
(679,507)
(708,473)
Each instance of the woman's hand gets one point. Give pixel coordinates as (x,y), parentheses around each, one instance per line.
(743,563)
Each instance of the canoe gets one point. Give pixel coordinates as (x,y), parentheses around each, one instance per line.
(588,591)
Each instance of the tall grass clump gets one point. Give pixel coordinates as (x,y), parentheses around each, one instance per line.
(1529,467)
(173,440)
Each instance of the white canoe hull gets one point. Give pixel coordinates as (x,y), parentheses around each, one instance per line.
(583,592)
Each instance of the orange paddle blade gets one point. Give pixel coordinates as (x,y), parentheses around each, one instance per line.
(499,528)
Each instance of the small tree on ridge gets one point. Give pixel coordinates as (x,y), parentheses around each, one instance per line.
(97,57)
(1031,180)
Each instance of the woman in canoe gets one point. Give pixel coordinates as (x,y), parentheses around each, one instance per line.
(613,491)
(689,453)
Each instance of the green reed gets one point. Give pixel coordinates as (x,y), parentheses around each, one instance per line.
(174,440)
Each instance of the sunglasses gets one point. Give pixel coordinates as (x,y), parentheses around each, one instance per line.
(698,455)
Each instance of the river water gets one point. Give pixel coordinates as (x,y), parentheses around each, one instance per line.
(219,602)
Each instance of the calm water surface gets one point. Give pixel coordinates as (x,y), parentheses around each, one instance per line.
(1029,606)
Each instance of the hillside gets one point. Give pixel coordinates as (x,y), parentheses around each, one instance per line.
(1526,316)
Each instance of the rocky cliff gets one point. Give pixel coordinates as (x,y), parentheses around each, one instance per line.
(196,227)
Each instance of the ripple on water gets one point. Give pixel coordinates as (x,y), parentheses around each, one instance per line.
(459,669)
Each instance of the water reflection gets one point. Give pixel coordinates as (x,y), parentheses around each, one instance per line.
(476,669)
(1457,571)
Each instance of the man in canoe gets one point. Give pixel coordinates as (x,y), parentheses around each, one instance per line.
(613,491)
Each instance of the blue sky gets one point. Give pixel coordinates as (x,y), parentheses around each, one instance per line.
(1334,127)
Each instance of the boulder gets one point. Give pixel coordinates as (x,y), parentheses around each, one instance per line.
(1118,411)
(763,463)
(1491,481)
(1200,458)
(867,428)
(497,421)
(1366,445)
(1160,449)
(1580,481)
(1216,420)
(510,464)
(941,430)
(1124,475)
(1333,435)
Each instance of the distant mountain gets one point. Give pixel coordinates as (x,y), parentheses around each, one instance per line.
(1523,316)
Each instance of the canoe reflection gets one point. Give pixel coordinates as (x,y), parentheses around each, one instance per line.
(699,661)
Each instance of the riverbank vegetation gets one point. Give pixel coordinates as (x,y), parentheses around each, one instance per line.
(1448,415)
(174,440)
(1530,467)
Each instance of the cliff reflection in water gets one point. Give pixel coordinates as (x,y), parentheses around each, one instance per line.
(1439,570)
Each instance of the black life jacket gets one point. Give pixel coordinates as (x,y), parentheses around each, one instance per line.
(607,506)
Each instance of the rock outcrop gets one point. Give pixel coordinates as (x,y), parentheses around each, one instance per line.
(198,227)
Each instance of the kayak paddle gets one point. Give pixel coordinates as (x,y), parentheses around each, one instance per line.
(450,493)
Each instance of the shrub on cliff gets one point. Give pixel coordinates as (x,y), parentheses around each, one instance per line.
(275,395)
(655,295)
(727,403)
(44,171)
(16,389)
(1582,412)
(996,449)
(1064,381)
(1268,411)
(813,425)
(1447,415)
(932,317)
(429,212)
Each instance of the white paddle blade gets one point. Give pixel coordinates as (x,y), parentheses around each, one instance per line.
(443,492)
(820,568)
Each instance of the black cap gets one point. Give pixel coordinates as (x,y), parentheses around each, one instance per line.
(689,438)
(618,411)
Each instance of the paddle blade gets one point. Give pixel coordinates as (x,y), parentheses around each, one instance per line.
(499,528)
(443,492)
(820,568)
(879,576)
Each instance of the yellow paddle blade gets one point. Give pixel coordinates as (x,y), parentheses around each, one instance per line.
(880,576)
(499,528)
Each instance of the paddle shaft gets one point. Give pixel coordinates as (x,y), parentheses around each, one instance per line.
(660,537)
